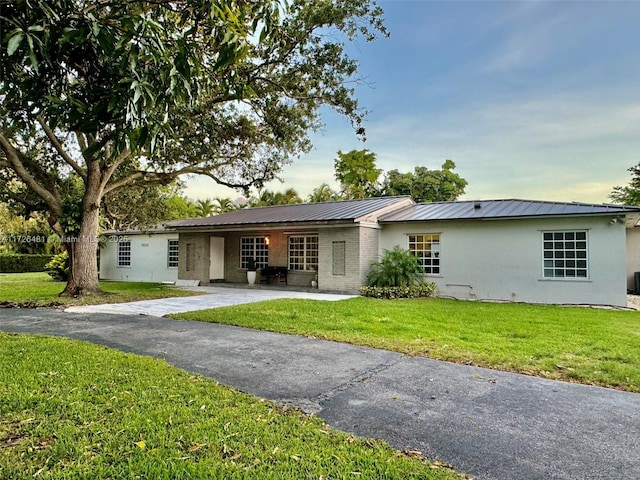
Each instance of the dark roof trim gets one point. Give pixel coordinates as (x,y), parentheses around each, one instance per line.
(263,226)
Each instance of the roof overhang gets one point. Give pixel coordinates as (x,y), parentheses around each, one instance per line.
(630,219)
(265,226)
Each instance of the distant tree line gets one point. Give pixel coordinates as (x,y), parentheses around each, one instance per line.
(355,171)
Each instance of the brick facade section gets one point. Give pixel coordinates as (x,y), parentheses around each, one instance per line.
(278,256)
(369,250)
(361,249)
(200,244)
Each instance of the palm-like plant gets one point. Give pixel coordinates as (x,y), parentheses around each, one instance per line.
(323,193)
(205,208)
(396,268)
(223,205)
(267,197)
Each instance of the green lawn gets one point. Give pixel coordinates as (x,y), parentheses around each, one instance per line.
(70,409)
(593,346)
(41,289)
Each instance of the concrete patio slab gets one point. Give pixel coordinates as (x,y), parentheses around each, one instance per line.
(218,297)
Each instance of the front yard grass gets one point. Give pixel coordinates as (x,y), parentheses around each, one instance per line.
(71,409)
(586,345)
(40,289)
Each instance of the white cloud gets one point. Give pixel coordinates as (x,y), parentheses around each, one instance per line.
(544,148)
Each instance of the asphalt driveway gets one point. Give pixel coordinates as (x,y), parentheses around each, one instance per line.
(490,424)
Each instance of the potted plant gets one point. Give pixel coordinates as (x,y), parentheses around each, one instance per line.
(251,271)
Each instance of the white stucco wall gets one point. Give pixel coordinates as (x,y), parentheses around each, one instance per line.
(633,256)
(502,259)
(148,259)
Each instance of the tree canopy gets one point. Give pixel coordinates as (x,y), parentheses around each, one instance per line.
(97,97)
(630,194)
(426,185)
(154,204)
(357,173)
(20,234)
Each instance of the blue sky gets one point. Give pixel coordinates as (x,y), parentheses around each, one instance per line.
(535,100)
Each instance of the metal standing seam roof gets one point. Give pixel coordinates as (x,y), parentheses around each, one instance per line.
(345,211)
(496,209)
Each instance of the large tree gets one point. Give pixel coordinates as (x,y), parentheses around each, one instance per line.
(154,204)
(630,194)
(98,96)
(357,173)
(426,185)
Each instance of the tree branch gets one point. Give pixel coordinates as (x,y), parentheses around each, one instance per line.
(163,178)
(13,158)
(82,141)
(58,146)
(150,177)
(106,175)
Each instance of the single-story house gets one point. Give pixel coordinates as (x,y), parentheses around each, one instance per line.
(510,250)
(140,255)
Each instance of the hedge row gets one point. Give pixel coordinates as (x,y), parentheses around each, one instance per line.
(413,291)
(21,263)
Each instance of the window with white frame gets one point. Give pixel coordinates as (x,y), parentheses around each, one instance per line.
(124,254)
(426,248)
(565,254)
(256,248)
(172,254)
(303,252)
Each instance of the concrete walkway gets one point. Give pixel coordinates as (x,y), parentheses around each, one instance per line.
(489,424)
(217,297)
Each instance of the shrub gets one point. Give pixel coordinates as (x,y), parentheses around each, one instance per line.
(22,263)
(397,268)
(58,268)
(424,290)
(252,265)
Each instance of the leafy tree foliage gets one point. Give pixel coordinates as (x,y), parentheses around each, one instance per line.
(19,234)
(357,173)
(630,194)
(179,207)
(154,204)
(97,97)
(426,185)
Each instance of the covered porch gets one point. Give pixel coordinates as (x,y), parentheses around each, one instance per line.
(331,243)
(307,259)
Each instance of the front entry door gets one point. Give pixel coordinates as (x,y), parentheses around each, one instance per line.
(216,258)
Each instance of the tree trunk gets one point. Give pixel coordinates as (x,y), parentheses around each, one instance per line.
(82,249)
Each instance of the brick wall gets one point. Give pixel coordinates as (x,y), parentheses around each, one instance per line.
(351,281)
(278,254)
(361,249)
(196,268)
(369,251)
